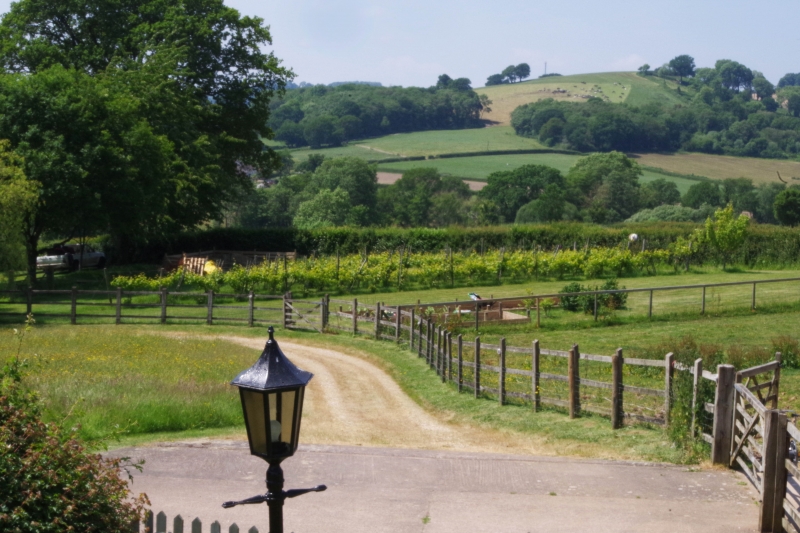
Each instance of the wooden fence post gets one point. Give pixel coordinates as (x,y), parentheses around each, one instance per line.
(161,522)
(617,411)
(538,313)
(595,307)
(411,326)
(210,310)
(29,300)
(428,341)
(574,382)
(449,353)
(438,362)
(668,373)
(650,309)
(419,344)
(703,307)
(118,319)
(355,316)
(377,320)
(781,447)
(477,314)
(477,370)
(698,375)
(460,369)
(398,321)
(163,306)
(724,408)
(753,303)
(73,313)
(774,438)
(776,381)
(250,310)
(536,396)
(177,524)
(501,379)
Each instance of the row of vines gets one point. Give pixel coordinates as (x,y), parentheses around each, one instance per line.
(399,270)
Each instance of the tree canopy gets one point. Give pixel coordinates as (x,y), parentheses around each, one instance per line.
(148,111)
(510,74)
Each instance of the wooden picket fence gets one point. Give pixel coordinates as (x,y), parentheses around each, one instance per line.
(158,524)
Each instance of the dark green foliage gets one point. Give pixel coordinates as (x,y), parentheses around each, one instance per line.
(673,213)
(50,482)
(423,198)
(585,302)
(789,80)
(721,118)
(510,190)
(332,115)
(787,207)
(510,74)
(683,66)
(704,192)
(659,192)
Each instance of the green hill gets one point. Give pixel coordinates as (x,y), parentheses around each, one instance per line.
(627,87)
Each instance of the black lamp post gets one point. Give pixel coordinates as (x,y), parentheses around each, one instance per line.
(272,400)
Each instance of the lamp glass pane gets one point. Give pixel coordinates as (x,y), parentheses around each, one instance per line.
(253,403)
(287,416)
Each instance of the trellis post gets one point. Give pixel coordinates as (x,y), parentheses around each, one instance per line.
(377,320)
(73,313)
(210,309)
(118,317)
(163,305)
(535,393)
(355,316)
(250,310)
(574,382)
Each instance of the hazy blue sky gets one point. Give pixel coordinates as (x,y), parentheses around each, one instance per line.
(411,42)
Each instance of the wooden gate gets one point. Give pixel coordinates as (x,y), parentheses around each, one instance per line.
(304,314)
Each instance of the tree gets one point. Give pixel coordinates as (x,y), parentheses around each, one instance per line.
(326,208)
(588,173)
(683,66)
(548,207)
(485,103)
(495,79)
(147,111)
(18,199)
(354,176)
(733,75)
(789,80)
(510,73)
(321,130)
(793,104)
(763,88)
(725,234)
(704,192)
(787,207)
(644,70)
(510,190)
(522,71)
(659,192)
(444,81)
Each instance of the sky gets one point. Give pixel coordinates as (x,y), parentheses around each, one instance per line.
(412,42)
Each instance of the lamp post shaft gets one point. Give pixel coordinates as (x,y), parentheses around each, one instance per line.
(275,503)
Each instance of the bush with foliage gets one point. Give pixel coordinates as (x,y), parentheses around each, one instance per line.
(50,482)
(585,302)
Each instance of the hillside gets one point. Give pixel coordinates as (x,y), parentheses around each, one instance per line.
(627,87)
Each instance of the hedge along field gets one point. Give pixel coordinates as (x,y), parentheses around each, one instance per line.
(724,166)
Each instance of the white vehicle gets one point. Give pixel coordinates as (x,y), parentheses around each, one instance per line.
(68,257)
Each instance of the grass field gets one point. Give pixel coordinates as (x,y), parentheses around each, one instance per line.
(479,167)
(161,388)
(615,87)
(723,166)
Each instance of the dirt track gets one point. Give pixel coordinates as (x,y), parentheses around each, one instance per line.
(351,401)
(387,178)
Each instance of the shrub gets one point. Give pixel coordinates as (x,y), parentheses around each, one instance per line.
(790,350)
(51,483)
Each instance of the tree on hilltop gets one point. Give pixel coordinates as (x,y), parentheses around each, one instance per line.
(683,66)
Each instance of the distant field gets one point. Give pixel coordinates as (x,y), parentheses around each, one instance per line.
(723,166)
(479,168)
(615,87)
(429,143)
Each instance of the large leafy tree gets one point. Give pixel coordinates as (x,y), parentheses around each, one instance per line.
(683,66)
(787,207)
(725,233)
(510,190)
(148,110)
(18,197)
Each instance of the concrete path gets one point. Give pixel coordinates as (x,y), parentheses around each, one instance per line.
(373,490)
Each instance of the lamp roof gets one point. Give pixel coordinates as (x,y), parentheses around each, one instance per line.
(273,370)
